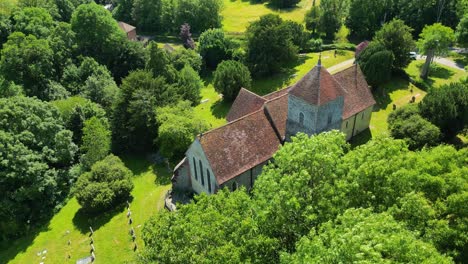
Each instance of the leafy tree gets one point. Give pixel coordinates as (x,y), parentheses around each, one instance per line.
(366,17)
(9,89)
(178,127)
(34,159)
(159,63)
(396,37)
(201,15)
(134,126)
(48,5)
(96,142)
(28,61)
(75,111)
(433,41)
(269,45)
(189,84)
(299,35)
(65,9)
(376,63)
(147,15)
(101,89)
(107,185)
(284,3)
(230,76)
(312,18)
(462,32)
(33,20)
(361,236)
(333,13)
(131,55)
(219,228)
(447,107)
(214,47)
(123,11)
(181,57)
(406,123)
(6,28)
(186,36)
(62,41)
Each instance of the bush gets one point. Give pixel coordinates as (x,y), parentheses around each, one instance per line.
(315,45)
(108,184)
(376,63)
(230,77)
(214,47)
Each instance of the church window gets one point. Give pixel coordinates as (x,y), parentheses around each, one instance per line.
(234,186)
(346,124)
(301,119)
(195,169)
(209,180)
(201,174)
(329,118)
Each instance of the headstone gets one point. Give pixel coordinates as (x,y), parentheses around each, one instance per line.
(92,241)
(394,106)
(130,221)
(91,229)
(69,242)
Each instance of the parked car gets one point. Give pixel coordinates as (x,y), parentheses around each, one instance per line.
(413,55)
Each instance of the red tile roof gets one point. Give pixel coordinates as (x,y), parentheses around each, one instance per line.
(246,102)
(275,94)
(357,93)
(239,145)
(278,110)
(317,87)
(126,27)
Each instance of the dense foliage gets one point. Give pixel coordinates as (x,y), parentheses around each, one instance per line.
(35,154)
(214,47)
(365,17)
(96,142)
(333,13)
(462,32)
(302,208)
(229,77)
(376,63)
(108,184)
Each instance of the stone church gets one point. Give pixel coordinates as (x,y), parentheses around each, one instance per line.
(233,155)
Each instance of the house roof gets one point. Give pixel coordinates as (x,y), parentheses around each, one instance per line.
(317,87)
(126,27)
(357,93)
(245,103)
(239,145)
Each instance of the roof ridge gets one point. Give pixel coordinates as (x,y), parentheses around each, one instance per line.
(261,97)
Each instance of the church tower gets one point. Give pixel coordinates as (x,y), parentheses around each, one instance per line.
(315,103)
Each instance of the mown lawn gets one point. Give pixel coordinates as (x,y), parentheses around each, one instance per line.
(112,241)
(438,74)
(238,14)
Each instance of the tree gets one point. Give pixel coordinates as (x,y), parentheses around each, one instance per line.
(396,37)
(201,15)
(9,89)
(214,47)
(333,13)
(65,9)
(134,124)
(284,3)
(299,35)
(230,76)
(220,229)
(366,17)
(107,185)
(461,33)
(376,63)
(62,41)
(181,57)
(186,36)
(406,123)
(101,89)
(312,19)
(123,11)
(269,46)
(159,63)
(362,236)
(6,28)
(36,153)
(33,20)
(146,14)
(48,5)
(433,41)
(178,127)
(96,142)
(28,61)
(189,84)
(447,107)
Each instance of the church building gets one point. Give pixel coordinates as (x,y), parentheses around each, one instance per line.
(233,155)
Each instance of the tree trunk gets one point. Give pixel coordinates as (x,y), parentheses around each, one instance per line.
(425,69)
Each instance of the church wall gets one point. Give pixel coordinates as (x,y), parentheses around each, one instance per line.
(182,176)
(348,130)
(296,106)
(333,109)
(246,179)
(362,123)
(196,151)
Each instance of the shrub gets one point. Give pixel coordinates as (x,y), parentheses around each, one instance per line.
(230,77)
(214,47)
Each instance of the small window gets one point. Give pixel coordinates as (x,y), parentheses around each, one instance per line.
(195,169)
(201,174)
(209,180)
(362,116)
(234,186)
(329,118)
(346,124)
(301,119)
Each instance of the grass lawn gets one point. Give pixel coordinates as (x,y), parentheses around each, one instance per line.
(438,74)
(237,14)
(112,241)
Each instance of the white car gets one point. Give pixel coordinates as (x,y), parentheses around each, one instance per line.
(413,55)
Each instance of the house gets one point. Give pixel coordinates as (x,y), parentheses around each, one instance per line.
(234,154)
(129,30)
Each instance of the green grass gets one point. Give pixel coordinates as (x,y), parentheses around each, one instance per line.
(438,74)
(238,14)
(111,239)
(6,6)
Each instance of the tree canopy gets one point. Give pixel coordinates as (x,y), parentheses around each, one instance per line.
(230,76)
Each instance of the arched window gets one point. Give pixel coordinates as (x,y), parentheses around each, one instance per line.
(346,124)
(208,179)
(195,168)
(301,119)
(234,186)
(201,174)
(329,118)
(362,116)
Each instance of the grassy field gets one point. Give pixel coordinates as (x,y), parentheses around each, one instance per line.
(112,241)
(237,14)
(438,74)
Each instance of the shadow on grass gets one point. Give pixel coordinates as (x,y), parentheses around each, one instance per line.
(11,248)
(382,93)
(82,220)
(163,174)
(220,108)
(361,138)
